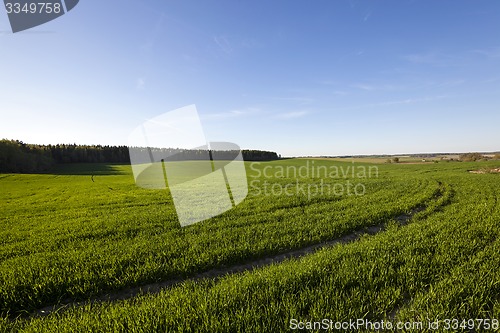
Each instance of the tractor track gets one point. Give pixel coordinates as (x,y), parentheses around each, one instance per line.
(219,272)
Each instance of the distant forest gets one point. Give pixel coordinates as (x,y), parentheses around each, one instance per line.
(19,157)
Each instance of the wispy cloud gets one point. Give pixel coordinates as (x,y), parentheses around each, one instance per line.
(421,58)
(291,115)
(340,93)
(433,58)
(451,83)
(251,44)
(372,87)
(148,45)
(299,100)
(490,80)
(328,82)
(140,84)
(223,44)
(367,16)
(363,86)
(410,100)
(490,53)
(232,113)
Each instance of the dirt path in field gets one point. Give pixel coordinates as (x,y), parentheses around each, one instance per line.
(224,270)
(484,171)
(220,272)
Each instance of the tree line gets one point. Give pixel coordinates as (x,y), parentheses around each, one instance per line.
(472,157)
(19,157)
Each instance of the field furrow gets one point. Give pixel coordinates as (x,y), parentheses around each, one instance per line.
(270,250)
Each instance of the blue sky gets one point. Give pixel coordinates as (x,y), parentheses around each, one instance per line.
(295,77)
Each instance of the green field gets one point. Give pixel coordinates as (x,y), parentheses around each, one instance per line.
(86,231)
